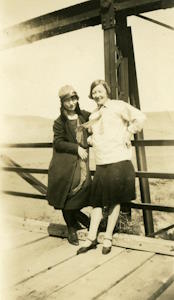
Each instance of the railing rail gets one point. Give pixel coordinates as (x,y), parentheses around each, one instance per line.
(148,142)
(25,174)
(139,174)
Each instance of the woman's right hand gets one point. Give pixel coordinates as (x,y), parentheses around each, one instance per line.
(82,153)
(90,140)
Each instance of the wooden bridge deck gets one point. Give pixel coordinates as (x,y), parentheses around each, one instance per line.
(35,265)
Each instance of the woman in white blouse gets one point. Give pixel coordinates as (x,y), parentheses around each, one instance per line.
(112,125)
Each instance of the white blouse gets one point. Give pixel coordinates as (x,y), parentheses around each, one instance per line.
(115,123)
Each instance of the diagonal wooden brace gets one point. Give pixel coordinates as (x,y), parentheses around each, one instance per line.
(38,185)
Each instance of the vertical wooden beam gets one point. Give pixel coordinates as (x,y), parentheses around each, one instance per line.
(140,151)
(122,73)
(108,26)
(128,91)
(123,82)
(122,49)
(110,61)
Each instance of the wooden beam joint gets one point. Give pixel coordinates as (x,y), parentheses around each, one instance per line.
(107,14)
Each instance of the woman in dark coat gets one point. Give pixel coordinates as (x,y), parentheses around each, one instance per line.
(69,178)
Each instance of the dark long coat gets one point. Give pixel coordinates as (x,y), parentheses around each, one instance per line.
(63,164)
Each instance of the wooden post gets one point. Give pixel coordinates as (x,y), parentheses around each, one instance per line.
(110,61)
(122,73)
(122,62)
(108,25)
(140,151)
(128,91)
(123,81)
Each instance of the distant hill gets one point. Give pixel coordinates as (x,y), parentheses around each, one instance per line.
(16,129)
(159,125)
(23,129)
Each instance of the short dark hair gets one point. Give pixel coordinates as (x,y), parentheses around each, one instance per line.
(97,82)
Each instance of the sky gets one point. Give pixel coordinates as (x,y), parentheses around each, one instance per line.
(31,75)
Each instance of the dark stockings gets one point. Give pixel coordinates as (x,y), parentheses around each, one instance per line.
(73,216)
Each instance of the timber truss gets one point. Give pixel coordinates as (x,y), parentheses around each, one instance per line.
(120,72)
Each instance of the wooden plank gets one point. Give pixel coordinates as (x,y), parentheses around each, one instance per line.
(152,207)
(8,236)
(22,263)
(72,18)
(25,223)
(153,143)
(51,24)
(119,239)
(49,145)
(146,282)
(26,145)
(25,170)
(27,195)
(91,285)
(162,175)
(131,7)
(19,238)
(146,174)
(168,293)
(70,268)
(140,174)
(129,241)
(144,243)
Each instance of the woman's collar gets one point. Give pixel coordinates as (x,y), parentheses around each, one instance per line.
(72,117)
(105,104)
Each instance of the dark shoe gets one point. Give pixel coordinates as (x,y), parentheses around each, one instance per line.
(93,245)
(106,250)
(72,236)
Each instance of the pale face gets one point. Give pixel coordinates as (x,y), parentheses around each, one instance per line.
(99,94)
(70,104)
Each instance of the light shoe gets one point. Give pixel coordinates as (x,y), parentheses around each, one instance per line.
(107,249)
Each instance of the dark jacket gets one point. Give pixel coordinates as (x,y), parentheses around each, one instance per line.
(63,165)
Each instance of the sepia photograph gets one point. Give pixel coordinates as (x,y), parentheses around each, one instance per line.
(87,149)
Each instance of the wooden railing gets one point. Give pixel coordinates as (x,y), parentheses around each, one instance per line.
(25,173)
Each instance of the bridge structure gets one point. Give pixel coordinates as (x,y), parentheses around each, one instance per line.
(120,73)
(39,255)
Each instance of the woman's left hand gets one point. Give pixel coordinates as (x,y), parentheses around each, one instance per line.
(82,153)
(89,140)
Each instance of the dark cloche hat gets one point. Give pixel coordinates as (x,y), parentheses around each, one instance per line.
(67,91)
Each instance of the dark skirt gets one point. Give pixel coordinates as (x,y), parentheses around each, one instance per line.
(113,184)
